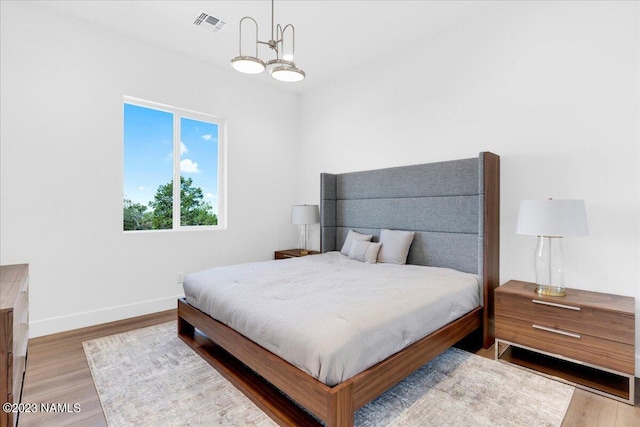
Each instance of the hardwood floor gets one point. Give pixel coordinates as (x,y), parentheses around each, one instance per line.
(57,372)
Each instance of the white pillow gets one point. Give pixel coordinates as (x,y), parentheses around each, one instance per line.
(395,246)
(351,236)
(364,251)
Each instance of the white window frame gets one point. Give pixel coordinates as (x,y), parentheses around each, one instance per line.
(179,113)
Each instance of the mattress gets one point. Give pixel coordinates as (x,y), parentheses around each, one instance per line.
(331,316)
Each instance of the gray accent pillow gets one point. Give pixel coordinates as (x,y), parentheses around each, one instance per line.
(364,251)
(395,246)
(351,236)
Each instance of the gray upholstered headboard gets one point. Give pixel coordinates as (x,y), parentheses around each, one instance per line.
(454,208)
(442,202)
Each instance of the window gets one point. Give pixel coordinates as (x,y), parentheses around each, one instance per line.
(173,168)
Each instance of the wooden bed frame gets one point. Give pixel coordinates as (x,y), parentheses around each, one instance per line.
(264,377)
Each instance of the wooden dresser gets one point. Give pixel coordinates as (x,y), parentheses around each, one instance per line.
(14,335)
(586,339)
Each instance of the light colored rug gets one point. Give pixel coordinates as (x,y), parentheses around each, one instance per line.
(149,377)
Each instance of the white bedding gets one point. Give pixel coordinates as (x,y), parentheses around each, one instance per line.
(329,315)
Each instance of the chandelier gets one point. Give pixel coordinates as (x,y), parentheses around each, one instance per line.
(283,40)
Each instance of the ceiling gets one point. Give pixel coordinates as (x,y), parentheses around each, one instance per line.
(332,37)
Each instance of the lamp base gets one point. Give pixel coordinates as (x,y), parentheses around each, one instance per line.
(550,292)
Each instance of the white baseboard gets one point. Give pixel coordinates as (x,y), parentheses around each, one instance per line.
(54,325)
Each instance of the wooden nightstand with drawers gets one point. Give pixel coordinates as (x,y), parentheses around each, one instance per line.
(586,339)
(292,253)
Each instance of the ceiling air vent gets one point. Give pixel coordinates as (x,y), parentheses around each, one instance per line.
(208,22)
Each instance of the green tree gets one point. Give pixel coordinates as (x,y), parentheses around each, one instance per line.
(162,205)
(135,216)
(193,209)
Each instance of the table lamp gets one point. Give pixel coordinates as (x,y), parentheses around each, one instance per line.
(304,215)
(551,220)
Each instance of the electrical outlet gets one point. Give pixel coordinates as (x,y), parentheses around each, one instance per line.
(180,278)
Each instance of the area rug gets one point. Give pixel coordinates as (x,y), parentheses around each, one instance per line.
(149,377)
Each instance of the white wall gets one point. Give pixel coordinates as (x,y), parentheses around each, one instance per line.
(63,83)
(551,87)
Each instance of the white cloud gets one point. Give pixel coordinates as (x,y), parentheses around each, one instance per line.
(207,137)
(189,166)
(141,188)
(183,149)
(209,196)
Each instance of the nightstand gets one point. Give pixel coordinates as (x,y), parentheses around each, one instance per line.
(586,339)
(292,253)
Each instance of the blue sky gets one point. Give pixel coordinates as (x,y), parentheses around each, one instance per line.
(148,153)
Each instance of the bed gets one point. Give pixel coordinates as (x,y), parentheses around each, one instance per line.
(453,209)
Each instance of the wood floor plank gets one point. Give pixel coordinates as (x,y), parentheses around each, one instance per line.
(589,409)
(58,372)
(627,416)
(630,415)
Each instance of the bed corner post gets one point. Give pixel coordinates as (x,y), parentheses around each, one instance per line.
(340,409)
(491,242)
(185,329)
(328,212)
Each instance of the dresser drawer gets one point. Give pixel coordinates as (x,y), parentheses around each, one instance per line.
(20,319)
(586,348)
(19,365)
(8,417)
(14,333)
(608,325)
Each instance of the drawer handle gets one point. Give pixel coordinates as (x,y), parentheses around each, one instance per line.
(555,304)
(557,331)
